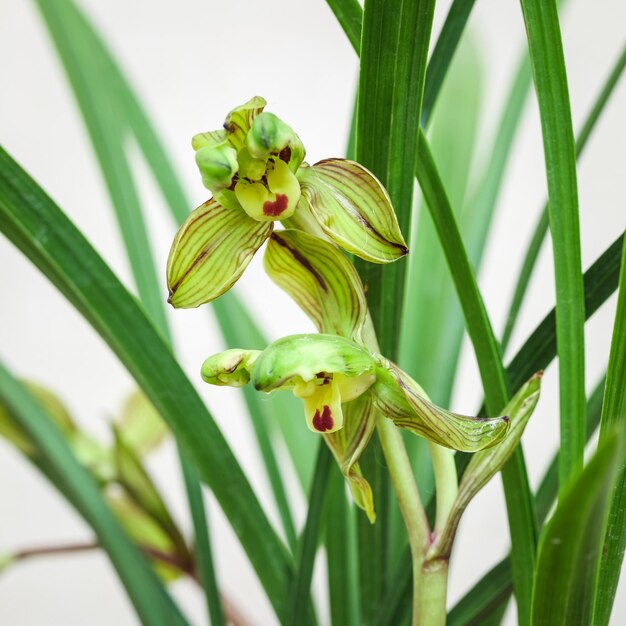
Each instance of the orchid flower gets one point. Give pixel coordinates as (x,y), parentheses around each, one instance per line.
(344,387)
(254,167)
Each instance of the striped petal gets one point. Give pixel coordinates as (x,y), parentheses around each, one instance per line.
(402,400)
(347,445)
(320,279)
(239,121)
(210,252)
(353,209)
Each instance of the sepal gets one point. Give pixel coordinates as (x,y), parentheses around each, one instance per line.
(321,281)
(210,252)
(402,400)
(353,209)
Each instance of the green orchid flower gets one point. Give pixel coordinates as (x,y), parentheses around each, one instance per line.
(254,167)
(345,388)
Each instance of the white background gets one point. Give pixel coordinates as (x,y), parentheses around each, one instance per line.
(191,62)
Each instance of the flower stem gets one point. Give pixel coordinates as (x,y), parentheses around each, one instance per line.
(431,594)
(446,483)
(413,513)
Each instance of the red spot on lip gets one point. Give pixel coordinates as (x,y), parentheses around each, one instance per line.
(323,421)
(277,207)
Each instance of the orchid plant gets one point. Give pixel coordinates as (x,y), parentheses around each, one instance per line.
(388,280)
(347,388)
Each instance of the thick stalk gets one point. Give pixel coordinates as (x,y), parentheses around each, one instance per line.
(432,594)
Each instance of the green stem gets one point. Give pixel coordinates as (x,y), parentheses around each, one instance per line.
(432,594)
(413,513)
(446,482)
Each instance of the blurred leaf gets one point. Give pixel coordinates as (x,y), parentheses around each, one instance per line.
(142,490)
(149,535)
(154,607)
(541,228)
(570,547)
(140,425)
(37,226)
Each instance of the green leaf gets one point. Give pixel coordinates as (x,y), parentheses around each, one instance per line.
(541,229)
(321,281)
(210,252)
(140,487)
(299,605)
(98,88)
(350,15)
(341,557)
(546,55)
(394,51)
(600,281)
(571,544)
(154,607)
(432,320)
(353,209)
(33,222)
(99,64)
(522,519)
(614,415)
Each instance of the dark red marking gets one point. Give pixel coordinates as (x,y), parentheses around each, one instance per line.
(285,154)
(324,421)
(275,208)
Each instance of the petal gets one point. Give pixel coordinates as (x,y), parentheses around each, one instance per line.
(348,444)
(402,400)
(322,408)
(217,167)
(210,252)
(210,139)
(353,209)
(269,135)
(231,367)
(303,358)
(281,180)
(484,465)
(239,121)
(320,279)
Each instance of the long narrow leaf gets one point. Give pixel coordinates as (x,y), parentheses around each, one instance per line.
(301,583)
(546,55)
(87,70)
(153,605)
(340,553)
(571,545)
(614,414)
(521,514)
(541,229)
(37,226)
(394,49)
